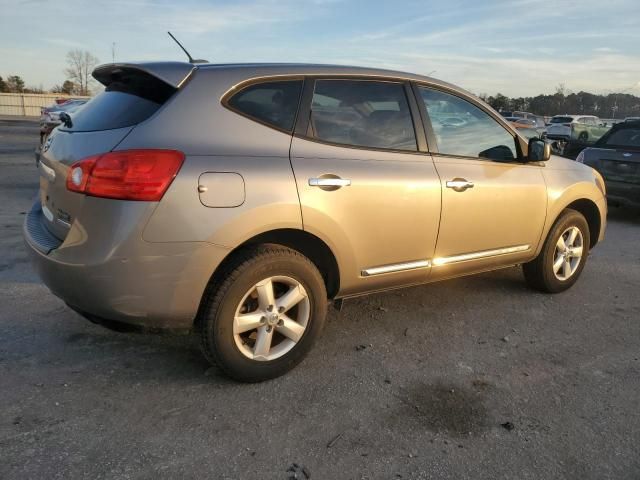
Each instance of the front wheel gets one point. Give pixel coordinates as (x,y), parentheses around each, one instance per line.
(262,317)
(563,256)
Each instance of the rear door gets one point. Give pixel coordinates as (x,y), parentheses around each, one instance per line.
(366,185)
(493,206)
(131,96)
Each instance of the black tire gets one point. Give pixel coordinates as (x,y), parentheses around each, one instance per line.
(222,298)
(539,272)
(583,137)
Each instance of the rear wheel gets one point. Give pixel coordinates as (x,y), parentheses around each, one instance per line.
(563,255)
(262,317)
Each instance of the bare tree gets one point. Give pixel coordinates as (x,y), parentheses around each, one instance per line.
(80,65)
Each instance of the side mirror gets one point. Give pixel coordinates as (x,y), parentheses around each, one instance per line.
(539,150)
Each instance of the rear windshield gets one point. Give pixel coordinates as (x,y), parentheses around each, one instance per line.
(561,120)
(130,98)
(623,137)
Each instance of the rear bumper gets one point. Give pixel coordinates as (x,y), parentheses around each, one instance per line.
(119,277)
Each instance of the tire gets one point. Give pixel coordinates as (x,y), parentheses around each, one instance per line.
(583,137)
(540,273)
(239,299)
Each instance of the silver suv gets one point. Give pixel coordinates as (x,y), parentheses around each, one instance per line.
(238,199)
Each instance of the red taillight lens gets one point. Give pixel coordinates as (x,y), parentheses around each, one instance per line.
(566,124)
(127,175)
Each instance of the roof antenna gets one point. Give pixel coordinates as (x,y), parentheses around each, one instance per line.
(191,60)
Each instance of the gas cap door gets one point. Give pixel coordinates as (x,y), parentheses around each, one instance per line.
(221,189)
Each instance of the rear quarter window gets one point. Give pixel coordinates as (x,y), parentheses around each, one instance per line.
(274,103)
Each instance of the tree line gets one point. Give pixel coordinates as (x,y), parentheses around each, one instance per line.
(613,105)
(80,64)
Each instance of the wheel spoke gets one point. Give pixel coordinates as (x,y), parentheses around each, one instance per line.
(263,342)
(576,252)
(566,269)
(558,263)
(247,322)
(265,294)
(291,329)
(290,299)
(561,245)
(573,233)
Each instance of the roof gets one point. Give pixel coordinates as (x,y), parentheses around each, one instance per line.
(174,73)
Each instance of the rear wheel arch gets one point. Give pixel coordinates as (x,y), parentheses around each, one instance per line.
(304,242)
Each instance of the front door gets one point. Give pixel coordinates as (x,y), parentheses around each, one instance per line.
(493,206)
(364,187)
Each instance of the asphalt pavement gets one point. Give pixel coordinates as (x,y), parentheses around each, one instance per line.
(474,378)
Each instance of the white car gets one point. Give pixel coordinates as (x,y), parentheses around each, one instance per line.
(583,128)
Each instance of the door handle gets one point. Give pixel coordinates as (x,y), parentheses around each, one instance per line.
(459,184)
(329,182)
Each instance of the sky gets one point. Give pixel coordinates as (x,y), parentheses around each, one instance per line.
(515,47)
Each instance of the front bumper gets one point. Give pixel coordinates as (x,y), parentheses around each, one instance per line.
(119,277)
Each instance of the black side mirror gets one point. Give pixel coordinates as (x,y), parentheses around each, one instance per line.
(539,150)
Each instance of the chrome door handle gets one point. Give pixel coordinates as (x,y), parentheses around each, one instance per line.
(459,184)
(329,182)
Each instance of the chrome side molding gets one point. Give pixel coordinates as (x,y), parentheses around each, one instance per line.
(436,262)
(478,255)
(398,267)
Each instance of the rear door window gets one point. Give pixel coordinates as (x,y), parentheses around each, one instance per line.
(274,103)
(362,113)
(131,97)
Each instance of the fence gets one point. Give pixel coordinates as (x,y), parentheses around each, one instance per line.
(27,104)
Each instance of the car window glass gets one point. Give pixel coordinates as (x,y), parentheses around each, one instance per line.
(274,103)
(362,113)
(626,137)
(463,129)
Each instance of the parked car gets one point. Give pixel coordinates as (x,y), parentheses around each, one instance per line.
(631,119)
(238,200)
(526,127)
(50,119)
(538,120)
(51,114)
(581,128)
(616,155)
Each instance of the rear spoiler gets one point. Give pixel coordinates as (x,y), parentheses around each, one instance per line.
(171,73)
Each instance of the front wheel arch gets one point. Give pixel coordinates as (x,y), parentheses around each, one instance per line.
(591,213)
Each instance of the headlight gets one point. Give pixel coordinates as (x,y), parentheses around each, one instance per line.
(580,157)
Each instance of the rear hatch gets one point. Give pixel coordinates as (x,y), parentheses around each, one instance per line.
(619,165)
(560,127)
(617,154)
(133,94)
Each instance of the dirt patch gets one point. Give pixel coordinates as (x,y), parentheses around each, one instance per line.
(445,407)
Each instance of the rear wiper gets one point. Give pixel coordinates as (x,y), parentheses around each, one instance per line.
(65,118)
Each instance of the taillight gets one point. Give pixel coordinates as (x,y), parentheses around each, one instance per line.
(566,124)
(126,175)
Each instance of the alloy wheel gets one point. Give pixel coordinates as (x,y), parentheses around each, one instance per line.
(568,253)
(271,318)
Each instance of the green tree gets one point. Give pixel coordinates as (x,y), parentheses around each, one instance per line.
(14,84)
(3,85)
